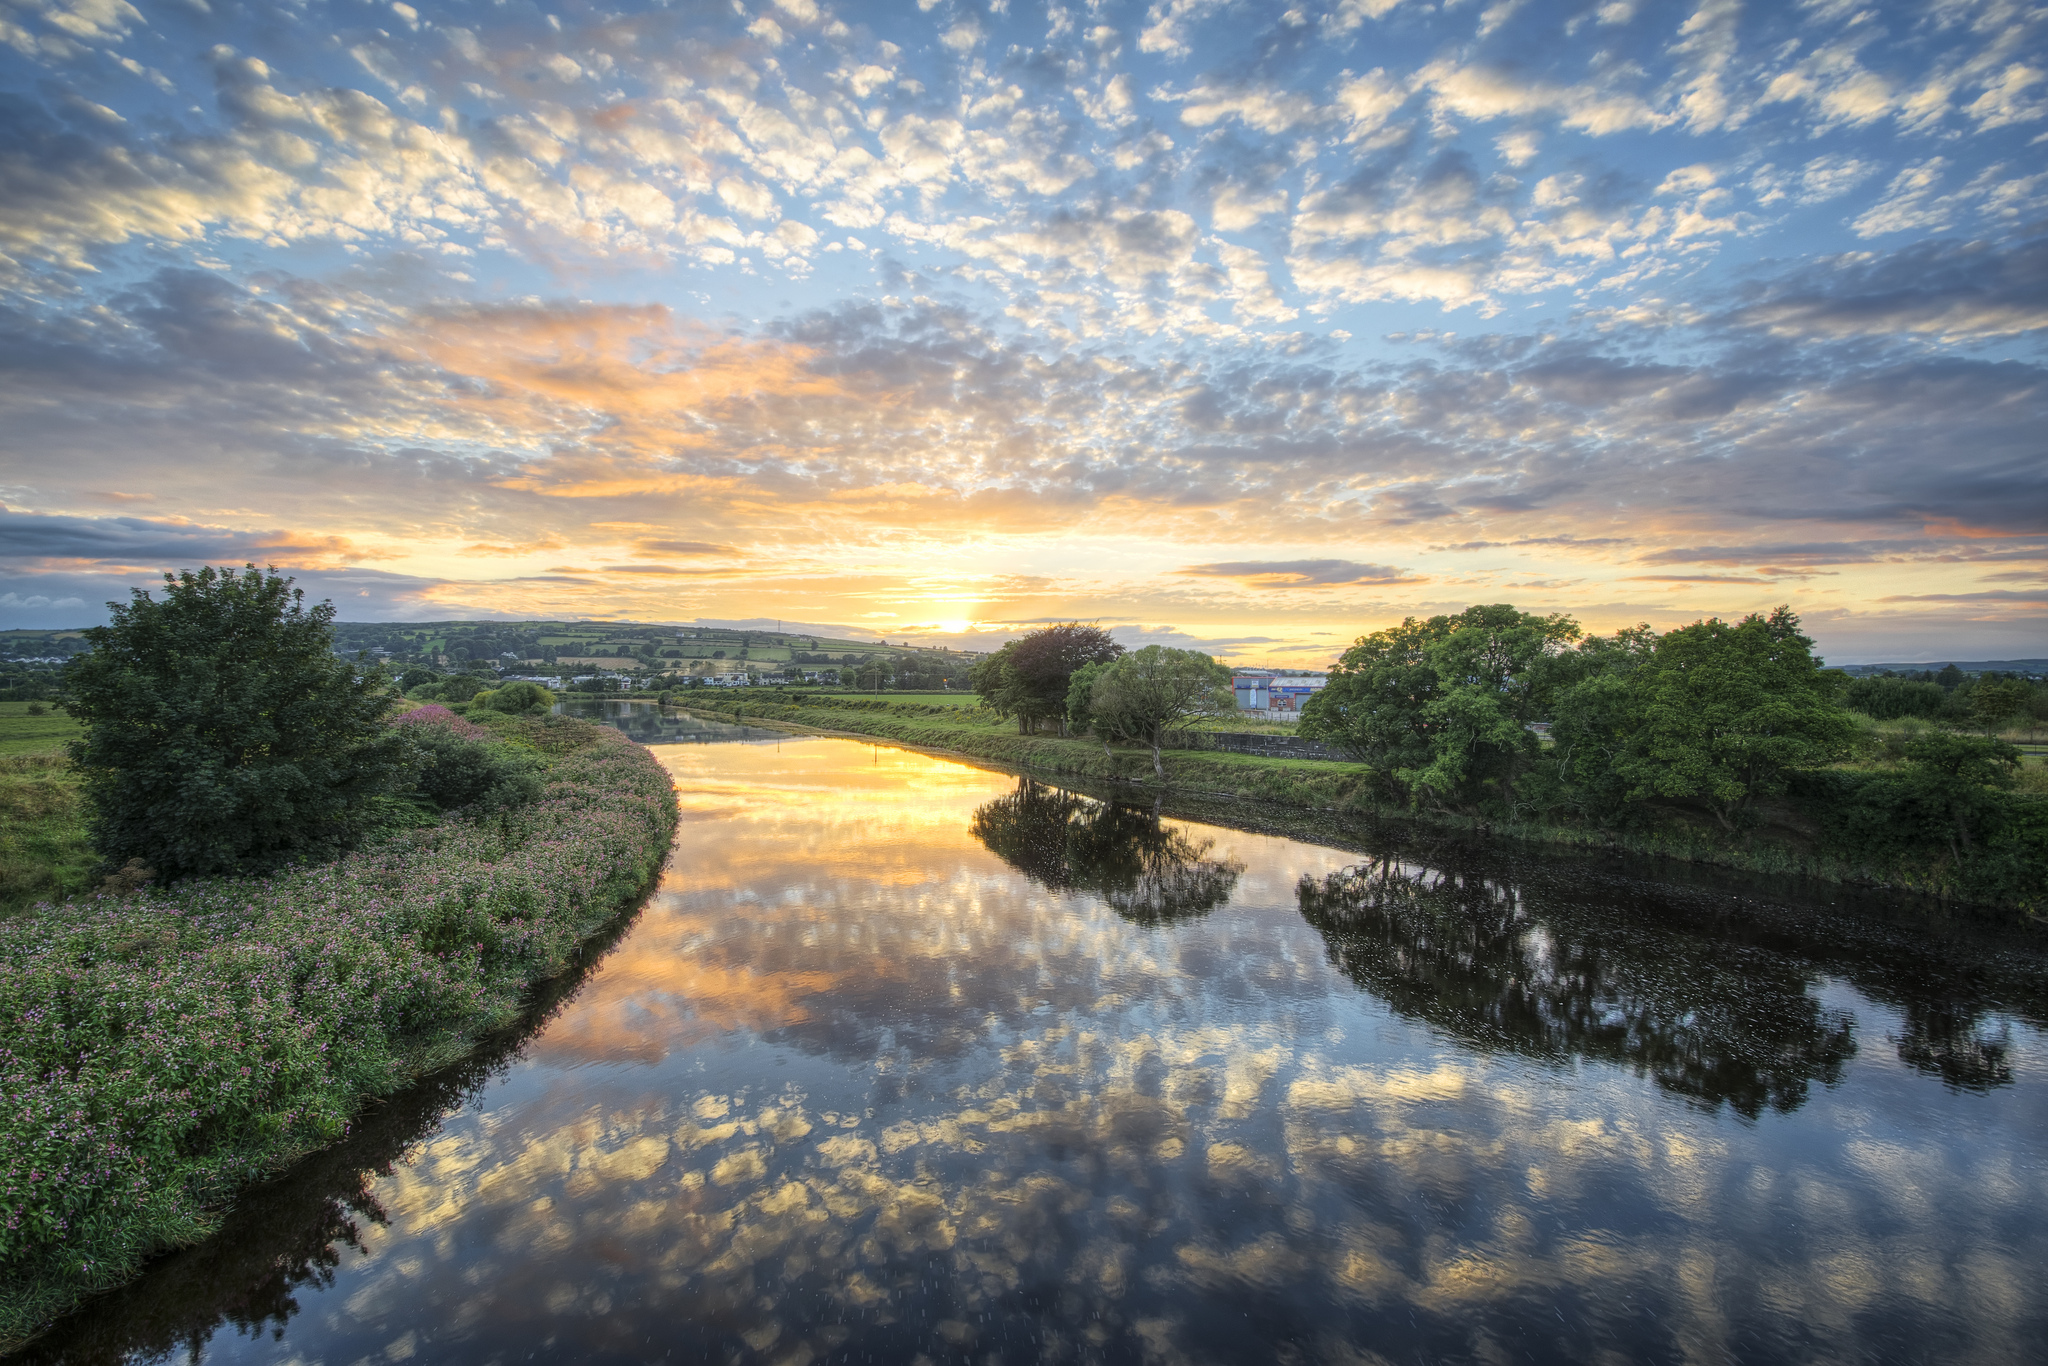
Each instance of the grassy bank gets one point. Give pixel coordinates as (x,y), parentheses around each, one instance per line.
(43,853)
(1784,840)
(161,1051)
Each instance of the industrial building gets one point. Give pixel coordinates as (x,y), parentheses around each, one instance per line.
(1275,691)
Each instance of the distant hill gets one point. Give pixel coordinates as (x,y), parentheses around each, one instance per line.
(1968,666)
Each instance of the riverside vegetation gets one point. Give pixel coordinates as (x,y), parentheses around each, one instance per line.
(225,1003)
(1718,742)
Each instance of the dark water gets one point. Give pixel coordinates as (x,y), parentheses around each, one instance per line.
(909,1061)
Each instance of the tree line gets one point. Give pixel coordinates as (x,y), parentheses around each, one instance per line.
(1075,679)
(1497,715)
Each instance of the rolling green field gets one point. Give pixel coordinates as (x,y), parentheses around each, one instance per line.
(21,733)
(43,853)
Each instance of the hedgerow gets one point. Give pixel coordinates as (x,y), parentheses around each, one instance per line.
(160,1051)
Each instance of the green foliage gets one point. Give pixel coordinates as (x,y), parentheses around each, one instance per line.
(222,732)
(1893,699)
(1030,678)
(1441,708)
(1997,704)
(519,699)
(1948,819)
(1592,719)
(161,1051)
(461,688)
(1722,713)
(1081,718)
(1141,695)
(461,766)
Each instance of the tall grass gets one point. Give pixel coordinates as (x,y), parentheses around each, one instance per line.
(43,851)
(159,1052)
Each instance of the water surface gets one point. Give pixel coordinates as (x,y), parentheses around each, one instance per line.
(908,1060)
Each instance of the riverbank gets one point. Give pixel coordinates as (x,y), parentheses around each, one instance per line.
(162,1051)
(1785,841)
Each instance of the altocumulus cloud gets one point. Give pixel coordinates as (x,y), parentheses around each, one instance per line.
(983,312)
(1299,573)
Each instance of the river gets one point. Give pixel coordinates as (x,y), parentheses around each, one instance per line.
(913,1061)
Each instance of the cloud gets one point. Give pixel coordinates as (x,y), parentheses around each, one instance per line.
(1911,203)
(400,298)
(1482,92)
(1939,290)
(1299,573)
(662,547)
(41,539)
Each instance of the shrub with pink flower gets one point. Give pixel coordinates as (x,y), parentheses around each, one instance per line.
(159,1052)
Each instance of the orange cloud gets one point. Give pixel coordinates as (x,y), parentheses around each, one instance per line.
(632,374)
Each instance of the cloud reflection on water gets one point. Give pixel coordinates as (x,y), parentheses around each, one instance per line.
(854,1086)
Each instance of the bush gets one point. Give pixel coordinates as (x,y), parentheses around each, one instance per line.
(517,699)
(159,1052)
(462,765)
(1892,699)
(222,732)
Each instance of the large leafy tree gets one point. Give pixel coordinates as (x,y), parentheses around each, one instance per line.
(1592,715)
(1722,712)
(1030,677)
(223,733)
(1956,778)
(1497,670)
(1374,703)
(1142,695)
(1440,708)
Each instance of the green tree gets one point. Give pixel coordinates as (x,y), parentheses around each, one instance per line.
(1723,712)
(1143,694)
(1996,704)
(1375,701)
(1888,699)
(1081,718)
(1440,708)
(223,733)
(1496,671)
(1030,677)
(1592,716)
(1957,777)
(518,698)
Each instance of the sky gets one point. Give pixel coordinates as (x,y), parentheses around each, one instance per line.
(1248,327)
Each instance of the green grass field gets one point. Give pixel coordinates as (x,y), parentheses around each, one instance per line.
(21,733)
(43,853)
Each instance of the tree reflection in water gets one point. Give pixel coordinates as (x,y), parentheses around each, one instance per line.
(1710,1019)
(1149,872)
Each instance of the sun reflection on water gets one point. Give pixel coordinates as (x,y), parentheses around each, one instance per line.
(911,1061)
